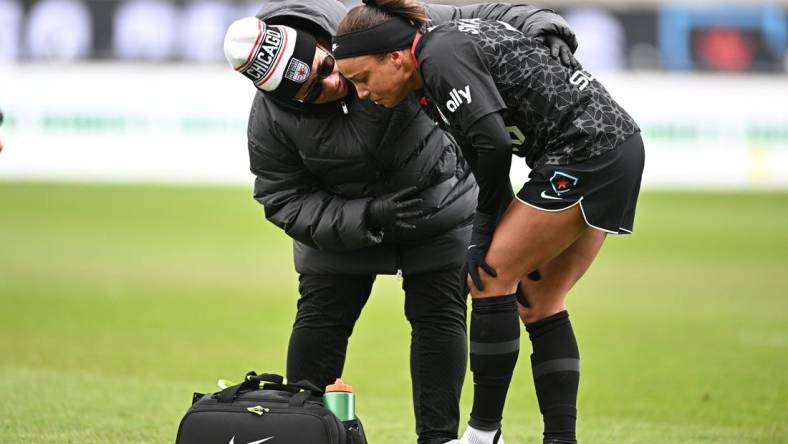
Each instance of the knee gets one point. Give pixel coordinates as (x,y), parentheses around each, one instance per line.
(503,283)
(336,316)
(447,313)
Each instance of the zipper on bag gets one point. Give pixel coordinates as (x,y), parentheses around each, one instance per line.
(258,410)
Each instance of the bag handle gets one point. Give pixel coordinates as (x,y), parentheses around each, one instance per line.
(252,382)
(307,386)
(308,390)
(299,399)
(279,380)
(265,377)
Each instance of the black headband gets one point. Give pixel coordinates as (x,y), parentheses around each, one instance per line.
(391,35)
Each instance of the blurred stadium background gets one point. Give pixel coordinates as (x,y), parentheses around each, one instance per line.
(135,267)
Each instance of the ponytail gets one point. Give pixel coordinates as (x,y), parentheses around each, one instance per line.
(375,12)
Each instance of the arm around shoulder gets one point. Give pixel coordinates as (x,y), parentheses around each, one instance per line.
(530,20)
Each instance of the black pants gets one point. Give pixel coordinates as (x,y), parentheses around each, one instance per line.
(435,306)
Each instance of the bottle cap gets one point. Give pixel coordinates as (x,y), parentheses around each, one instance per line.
(339,386)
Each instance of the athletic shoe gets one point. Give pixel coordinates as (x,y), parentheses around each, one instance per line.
(475,436)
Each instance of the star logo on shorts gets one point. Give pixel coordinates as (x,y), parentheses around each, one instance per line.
(562,182)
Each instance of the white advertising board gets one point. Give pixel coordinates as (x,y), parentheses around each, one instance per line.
(187,123)
(152,123)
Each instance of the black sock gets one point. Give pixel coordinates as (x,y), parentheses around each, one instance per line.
(556,369)
(495,345)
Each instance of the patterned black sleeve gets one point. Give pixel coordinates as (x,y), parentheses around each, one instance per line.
(490,160)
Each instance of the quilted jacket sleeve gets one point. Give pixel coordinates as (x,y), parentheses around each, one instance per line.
(293,197)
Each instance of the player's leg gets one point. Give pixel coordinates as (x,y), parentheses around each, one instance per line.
(524,239)
(605,189)
(435,305)
(547,295)
(327,311)
(555,360)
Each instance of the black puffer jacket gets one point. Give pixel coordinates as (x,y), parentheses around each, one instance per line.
(317,167)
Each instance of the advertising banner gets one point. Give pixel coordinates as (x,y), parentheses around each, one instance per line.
(187,123)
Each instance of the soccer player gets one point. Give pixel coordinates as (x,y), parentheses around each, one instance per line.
(364,190)
(500,93)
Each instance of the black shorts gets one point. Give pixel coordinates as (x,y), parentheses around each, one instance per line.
(605,187)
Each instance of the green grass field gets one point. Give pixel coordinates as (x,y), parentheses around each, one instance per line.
(117,302)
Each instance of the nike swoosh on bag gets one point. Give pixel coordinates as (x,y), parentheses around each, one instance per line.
(232,441)
(545,196)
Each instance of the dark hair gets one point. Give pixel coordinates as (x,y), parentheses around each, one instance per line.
(375,12)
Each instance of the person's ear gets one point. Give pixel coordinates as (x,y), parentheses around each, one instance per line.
(396,58)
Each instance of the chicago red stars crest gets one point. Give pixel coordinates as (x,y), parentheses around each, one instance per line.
(297,71)
(562,182)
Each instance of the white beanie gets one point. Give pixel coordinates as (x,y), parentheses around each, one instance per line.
(278,59)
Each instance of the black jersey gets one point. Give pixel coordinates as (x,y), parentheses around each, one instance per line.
(554,114)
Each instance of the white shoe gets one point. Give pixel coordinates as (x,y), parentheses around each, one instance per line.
(475,436)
